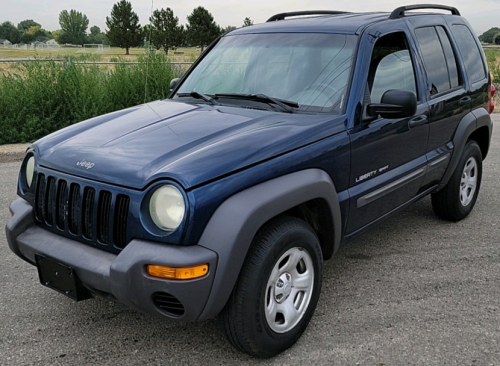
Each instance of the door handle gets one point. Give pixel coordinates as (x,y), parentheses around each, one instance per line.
(464,101)
(417,121)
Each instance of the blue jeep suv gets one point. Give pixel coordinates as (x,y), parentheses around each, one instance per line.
(280,144)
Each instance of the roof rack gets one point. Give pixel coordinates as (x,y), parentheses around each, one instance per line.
(400,12)
(282,16)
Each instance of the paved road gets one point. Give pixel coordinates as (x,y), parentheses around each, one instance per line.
(414,291)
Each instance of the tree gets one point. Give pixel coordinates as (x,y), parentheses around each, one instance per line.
(166,32)
(24,25)
(10,32)
(73,26)
(95,30)
(96,36)
(35,33)
(487,37)
(201,29)
(247,22)
(496,39)
(56,34)
(124,28)
(228,29)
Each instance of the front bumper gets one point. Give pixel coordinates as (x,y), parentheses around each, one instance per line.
(122,277)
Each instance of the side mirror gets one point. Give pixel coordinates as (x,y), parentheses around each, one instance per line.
(394,104)
(173,83)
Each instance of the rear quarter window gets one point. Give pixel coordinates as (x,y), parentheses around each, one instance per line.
(471,54)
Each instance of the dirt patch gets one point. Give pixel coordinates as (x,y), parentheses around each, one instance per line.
(12,152)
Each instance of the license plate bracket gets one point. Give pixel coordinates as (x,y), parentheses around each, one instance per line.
(60,277)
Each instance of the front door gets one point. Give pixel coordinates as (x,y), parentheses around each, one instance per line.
(388,155)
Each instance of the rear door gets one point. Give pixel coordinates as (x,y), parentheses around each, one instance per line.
(474,64)
(446,91)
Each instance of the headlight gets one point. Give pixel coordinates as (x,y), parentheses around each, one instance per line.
(167,207)
(30,170)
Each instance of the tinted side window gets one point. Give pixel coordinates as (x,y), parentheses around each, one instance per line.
(395,71)
(450,57)
(470,52)
(435,62)
(391,67)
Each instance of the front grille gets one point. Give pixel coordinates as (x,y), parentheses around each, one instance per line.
(83,213)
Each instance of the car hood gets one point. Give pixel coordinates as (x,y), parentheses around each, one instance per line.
(188,143)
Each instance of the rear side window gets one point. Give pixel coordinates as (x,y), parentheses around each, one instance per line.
(470,52)
(439,59)
(451,62)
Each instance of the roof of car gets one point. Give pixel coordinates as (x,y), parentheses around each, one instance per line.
(345,23)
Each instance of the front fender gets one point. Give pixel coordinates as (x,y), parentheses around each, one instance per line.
(234,224)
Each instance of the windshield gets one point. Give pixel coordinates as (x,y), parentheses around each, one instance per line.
(309,69)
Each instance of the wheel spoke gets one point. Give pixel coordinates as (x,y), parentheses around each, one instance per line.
(275,274)
(472,181)
(292,261)
(303,281)
(290,314)
(271,308)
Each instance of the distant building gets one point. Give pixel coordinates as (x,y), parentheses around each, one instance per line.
(5,42)
(52,42)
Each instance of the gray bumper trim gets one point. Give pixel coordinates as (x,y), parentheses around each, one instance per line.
(123,275)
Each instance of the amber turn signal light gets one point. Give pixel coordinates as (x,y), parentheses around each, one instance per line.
(177,273)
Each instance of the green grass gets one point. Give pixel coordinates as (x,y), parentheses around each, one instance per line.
(493,59)
(37,98)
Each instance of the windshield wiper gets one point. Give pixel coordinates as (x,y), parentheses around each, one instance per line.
(286,105)
(195,94)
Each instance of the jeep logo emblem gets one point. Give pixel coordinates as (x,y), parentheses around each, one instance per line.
(85,164)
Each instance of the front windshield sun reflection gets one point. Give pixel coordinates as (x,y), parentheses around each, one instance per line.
(309,70)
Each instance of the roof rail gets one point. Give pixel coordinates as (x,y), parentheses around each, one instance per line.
(282,16)
(400,12)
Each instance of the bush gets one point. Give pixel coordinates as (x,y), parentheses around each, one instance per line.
(40,97)
(492,57)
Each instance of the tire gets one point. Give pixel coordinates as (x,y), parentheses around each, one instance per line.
(456,200)
(268,311)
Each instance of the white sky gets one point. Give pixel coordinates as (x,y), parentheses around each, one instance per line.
(482,14)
